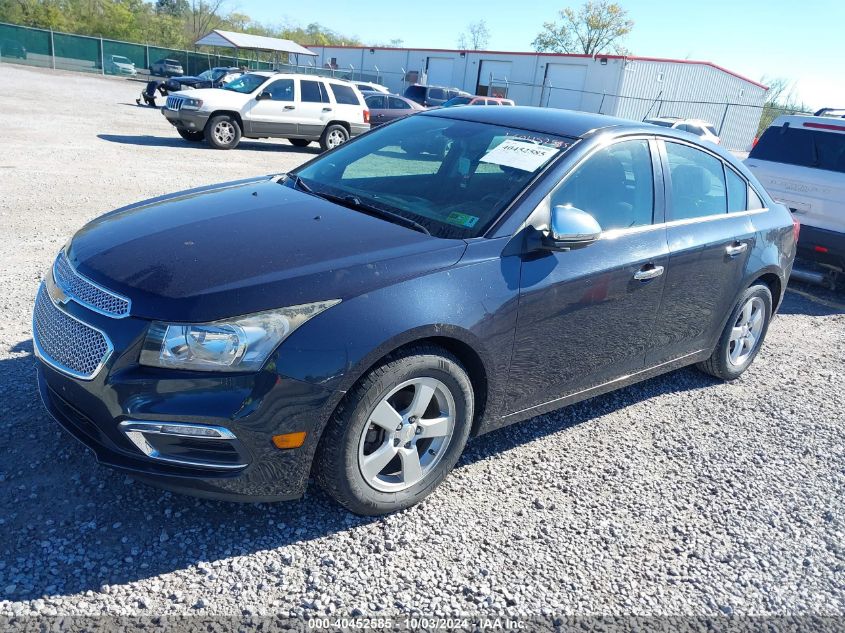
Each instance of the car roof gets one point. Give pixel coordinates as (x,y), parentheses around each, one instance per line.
(545,120)
(817,123)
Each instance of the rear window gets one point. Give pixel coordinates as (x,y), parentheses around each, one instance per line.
(344,94)
(802,147)
(416,93)
(661,123)
(436,93)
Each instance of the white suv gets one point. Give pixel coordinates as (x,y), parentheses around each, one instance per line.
(699,127)
(800,160)
(300,108)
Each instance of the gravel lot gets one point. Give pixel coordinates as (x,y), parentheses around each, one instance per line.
(679,496)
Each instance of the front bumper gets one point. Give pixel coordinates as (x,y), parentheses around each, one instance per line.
(251,408)
(190,120)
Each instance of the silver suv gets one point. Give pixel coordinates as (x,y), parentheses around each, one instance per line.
(299,108)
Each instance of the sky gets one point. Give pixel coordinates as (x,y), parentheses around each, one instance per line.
(798,41)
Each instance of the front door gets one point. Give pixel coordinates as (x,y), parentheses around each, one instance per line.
(711,236)
(274,115)
(586,315)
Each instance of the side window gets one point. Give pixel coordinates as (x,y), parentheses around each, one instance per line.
(754,201)
(311,92)
(398,104)
(436,93)
(344,95)
(281,90)
(737,191)
(698,183)
(615,185)
(376,102)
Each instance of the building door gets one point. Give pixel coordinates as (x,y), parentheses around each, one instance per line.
(439,71)
(563,85)
(493,78)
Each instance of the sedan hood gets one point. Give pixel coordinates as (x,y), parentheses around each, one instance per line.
(240,248)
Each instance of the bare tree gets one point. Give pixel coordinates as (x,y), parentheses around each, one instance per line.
(476,37)
(596,27)
(780,99)
(204,16)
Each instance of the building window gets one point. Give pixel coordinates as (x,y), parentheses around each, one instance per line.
(660,75)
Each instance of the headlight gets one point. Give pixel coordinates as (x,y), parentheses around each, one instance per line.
(239,344)
(192,104)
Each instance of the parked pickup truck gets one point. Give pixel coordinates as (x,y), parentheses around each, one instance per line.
(270,105)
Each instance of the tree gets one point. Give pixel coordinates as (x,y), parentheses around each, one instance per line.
(476,37)
(597,27)
(780,99)
(173,8)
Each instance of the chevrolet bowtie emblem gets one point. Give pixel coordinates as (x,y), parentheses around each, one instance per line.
(56,293)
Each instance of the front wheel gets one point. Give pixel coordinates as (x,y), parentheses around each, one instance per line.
(398,433)
(223,132)
(188,135)
(743,335)
(333,136)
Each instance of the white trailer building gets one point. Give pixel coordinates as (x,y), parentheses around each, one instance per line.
(628,87)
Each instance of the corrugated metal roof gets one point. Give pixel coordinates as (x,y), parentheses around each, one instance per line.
(230,39)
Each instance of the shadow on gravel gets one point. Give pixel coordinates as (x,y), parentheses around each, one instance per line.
(176,141)
(71,525)
(812,300)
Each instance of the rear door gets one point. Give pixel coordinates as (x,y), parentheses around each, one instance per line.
(398,108)
(708,250)
(276,115)
(314,109)
(586,315)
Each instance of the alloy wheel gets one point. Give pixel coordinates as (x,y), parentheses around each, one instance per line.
(746,332)
(408,433)
(335,138)
(224,133)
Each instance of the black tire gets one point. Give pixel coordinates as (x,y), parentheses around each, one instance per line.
(188,135)
(299,142)
(719,364)
(333,136)
(336,466)
(214,132)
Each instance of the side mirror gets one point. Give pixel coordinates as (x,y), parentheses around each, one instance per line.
(263,95)
(570,228)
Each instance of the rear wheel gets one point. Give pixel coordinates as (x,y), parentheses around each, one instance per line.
(333,136)
(743,335)
(399,432)
(188,135)
(299,142)
(223,132)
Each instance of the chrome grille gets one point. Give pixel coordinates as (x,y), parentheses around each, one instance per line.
(87,292)
(174,103)
(66,343)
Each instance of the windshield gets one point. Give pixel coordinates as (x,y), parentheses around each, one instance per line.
(206,75)
(245,83)
(452,177)
(457,101)
(120,60)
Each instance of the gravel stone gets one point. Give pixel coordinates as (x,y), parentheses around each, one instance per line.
(680,495)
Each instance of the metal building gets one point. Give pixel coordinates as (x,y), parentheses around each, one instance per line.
(628,87)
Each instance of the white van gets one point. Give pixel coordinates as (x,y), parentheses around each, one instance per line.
(800,160)
(300,108)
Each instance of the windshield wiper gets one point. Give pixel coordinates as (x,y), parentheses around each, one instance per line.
(298,183)
(354,202)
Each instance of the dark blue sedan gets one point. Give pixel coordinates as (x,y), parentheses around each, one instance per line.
(358,319)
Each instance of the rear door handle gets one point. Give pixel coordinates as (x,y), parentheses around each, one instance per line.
(327,109)
(736,248)
(290,107)
(649,272)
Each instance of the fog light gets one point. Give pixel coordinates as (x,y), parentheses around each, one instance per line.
(198,431)
(289,440)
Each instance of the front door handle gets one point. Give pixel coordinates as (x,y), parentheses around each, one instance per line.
(650,272)
(290,107)
(736,248)
(327,109)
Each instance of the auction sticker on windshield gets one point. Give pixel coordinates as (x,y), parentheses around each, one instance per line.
(518,154)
